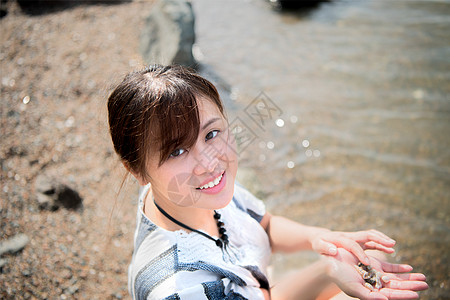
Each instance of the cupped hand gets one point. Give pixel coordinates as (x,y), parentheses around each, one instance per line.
(397,282)
(356,242)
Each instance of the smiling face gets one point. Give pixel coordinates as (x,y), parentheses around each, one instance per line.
(203,175)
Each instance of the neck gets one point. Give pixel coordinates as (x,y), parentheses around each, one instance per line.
(197,218)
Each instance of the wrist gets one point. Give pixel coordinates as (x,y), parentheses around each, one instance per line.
(328,266)
(315,235)
(324,269)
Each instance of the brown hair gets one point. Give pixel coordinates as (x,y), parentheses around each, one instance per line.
(156,109)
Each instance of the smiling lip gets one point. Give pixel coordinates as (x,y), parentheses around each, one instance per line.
(214,186)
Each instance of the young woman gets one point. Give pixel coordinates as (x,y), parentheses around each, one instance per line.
(199,234)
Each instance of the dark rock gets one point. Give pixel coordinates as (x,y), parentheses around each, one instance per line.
(14,244)
(3,262)
(37,7)
(169,34)
(299,4)
(17,151)
(52,194)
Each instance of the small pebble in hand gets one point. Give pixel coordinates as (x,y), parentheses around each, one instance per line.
(371,277)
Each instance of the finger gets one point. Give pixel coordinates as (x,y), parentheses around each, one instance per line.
(395,268)
(382,235)
(324,247)
(355,248)
(361,292)
(399,294)
(407,285)
(379,237)
(407,277)
(376,246)
(370,235)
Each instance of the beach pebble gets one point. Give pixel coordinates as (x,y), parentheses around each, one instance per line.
(14,244)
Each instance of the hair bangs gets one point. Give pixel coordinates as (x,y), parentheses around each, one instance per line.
(178,123)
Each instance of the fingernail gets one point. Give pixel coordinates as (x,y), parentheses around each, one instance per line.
(332,250)
(385,278)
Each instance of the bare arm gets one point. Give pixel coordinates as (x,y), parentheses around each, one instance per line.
(303,284)
(287,236)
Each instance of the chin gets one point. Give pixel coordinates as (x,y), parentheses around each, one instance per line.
(220,200)
(227,196)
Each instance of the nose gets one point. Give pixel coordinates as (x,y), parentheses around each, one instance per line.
(206,164)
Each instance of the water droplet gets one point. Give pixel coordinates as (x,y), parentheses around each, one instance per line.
(237,129)
(270,145)
(293,119)
(26,99)
(279,122)
(308,153)
(234,94)
(290,164)
(305,143)
(316,153)
(418,94)
(17,177)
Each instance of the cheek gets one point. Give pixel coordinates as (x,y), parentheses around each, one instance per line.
(168,177)
(230,154)
(180,188)
(231,140)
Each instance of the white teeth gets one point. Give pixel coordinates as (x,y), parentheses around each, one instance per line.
(212,183)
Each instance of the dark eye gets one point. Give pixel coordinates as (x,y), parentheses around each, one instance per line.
(211,135)
(177,152)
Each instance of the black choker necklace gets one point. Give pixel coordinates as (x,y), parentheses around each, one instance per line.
(220,242)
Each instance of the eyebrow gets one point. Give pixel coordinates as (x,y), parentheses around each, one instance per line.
(209,123)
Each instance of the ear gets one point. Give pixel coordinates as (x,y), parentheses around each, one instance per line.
(138,177)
